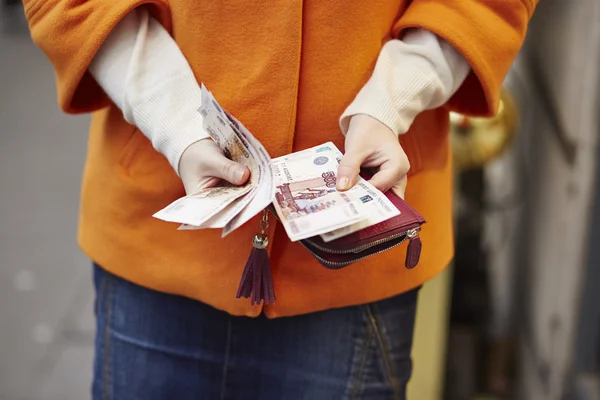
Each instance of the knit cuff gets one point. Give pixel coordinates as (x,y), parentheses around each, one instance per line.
(169,117)
(393,94)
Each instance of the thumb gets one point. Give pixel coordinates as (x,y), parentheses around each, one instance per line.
(348,170)
(235,173)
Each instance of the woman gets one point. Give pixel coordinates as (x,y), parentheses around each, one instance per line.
(297,74)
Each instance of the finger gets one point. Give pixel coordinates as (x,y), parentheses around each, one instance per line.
(193,185)
(384,179)
(387,176)
(222,167)
(349,169)
(400,187)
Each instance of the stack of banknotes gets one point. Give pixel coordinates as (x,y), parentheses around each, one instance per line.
(301,186)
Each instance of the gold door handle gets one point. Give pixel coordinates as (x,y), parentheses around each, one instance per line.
(476,141)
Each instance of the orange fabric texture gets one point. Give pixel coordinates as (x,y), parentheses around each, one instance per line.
(287,69)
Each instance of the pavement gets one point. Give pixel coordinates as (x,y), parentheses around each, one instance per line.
(46,293)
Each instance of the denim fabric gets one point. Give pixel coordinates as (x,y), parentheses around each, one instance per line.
(152,345)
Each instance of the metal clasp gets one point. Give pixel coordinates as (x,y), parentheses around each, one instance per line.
(261,241)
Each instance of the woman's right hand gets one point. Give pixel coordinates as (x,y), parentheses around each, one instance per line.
(203,165)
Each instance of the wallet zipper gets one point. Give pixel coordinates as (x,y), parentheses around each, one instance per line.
(411,233)
(339,264)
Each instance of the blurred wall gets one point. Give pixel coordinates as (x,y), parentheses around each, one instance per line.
(560,64)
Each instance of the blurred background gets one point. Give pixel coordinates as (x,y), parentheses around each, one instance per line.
(517,316)
(46,297)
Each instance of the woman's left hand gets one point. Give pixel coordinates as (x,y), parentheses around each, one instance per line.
(371,144)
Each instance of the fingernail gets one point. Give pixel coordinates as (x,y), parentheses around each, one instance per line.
(239,175)
(343,183)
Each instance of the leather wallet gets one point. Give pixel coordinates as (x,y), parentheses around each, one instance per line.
(372,240)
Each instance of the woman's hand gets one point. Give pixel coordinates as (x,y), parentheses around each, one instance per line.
(203,165)
(371,144)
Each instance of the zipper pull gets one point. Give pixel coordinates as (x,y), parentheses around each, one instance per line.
(413,253)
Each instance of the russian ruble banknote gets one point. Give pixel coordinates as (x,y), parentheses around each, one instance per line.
(306,198)
(197,208)
(375,205)
(308,203)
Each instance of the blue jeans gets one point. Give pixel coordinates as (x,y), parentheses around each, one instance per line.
(151,345)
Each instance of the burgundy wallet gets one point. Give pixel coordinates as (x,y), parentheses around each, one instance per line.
(372,240)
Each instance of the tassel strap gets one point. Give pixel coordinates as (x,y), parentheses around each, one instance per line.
(257,281)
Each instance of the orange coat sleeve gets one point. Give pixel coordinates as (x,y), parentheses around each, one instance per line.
(488,33)
(70,32)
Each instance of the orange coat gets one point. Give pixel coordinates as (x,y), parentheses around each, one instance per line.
(287,69)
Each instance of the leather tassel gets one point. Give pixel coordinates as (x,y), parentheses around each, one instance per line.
(257,281)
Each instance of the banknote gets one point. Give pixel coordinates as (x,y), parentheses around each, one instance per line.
(224,133)
(264,189)
(219,220)
(306,198)
(259,163)
(197,208)
(220,124)
(376,206)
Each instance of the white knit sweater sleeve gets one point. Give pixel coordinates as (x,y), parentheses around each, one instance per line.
(143,71)
(417,73)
